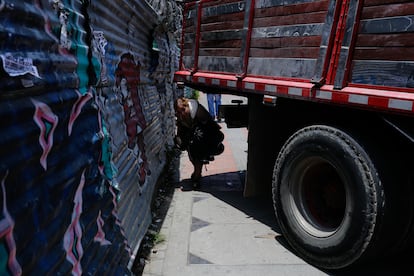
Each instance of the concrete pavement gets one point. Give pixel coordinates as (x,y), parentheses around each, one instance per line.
(214,230)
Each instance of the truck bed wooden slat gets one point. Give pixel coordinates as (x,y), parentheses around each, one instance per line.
(234,43)
(384,53)
(368,3)
(286,52)
(286,8)
(278,42)
(371,12)
(223,18)
(385,40)
(213,3)
(228,25)
(317,17)
(227,52)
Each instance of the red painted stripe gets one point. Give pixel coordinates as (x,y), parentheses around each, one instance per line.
(306,93)
(259,86)
(282,90)
(339,97)
(378,102)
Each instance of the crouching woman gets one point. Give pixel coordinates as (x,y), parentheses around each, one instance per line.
(198,134)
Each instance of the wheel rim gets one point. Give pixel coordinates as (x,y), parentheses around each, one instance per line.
(316,197)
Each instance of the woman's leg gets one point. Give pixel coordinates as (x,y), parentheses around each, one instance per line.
(198,166)
(196,175)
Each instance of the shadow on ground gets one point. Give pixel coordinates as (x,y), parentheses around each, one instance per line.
(259,208)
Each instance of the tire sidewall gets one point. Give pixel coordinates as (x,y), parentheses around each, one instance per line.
(356,171)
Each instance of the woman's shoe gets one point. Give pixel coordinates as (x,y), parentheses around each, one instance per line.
(196,181)
(196,185)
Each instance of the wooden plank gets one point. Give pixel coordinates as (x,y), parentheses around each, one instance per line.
(313,6)
(272,3)
(223,9)
(383,2)
(217,26)
(292,30)
(219,2)
(387,25)
(222,35)
(298,52)
(385,40)
(316,17)
(397,74)
(220,64)
(235,43)
(239,16)
(282,67)
(277,42)
(387,11)
(384,53)
(226,52)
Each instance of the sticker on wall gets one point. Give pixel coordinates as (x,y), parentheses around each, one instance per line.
(18,66)
(99,43)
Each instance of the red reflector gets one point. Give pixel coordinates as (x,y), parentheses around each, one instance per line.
(269,100)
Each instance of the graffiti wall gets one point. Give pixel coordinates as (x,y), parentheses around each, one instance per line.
(86,100)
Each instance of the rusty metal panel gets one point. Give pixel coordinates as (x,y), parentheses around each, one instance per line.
(88,103)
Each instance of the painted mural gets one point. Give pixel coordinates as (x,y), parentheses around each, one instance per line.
(85,121)
(127,79)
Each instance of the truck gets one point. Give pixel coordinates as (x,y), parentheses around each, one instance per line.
(330,105)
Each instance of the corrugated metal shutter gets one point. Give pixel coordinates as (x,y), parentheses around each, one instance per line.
(83,96)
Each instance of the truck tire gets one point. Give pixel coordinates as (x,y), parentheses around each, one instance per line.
(327,197)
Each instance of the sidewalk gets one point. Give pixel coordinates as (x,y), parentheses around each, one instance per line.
(215,230)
